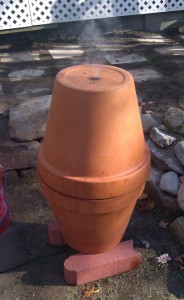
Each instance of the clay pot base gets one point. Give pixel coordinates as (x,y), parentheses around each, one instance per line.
(83,268)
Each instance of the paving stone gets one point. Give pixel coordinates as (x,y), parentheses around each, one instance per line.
(148,122)
(102,46)
(171,50)
(169,183)
(18,155)
(83,268)
(36,92)
(19,56)
(124,58)
(25,74)
(174,119)
(177,229)
(27,120)
(144,74)
(179,151)
(181,197)
(154,39)
(160,138)
(106,47)
(66,52)
(165,159)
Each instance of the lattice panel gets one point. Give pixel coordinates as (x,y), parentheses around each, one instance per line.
(14,14)
(24,13)
(53,11)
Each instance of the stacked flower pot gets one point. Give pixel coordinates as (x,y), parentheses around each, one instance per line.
(91,167)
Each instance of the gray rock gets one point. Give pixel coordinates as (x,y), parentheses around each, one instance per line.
(174,119)
(4,130)
(167,203)
(181,197)
(162,127)
(10,177)
(177,229)
(155,176)
(148,122)
(28,173)
(181,179)
(4,108)
(27,121)
(1,89)
(169,183)
(164,159)
(160,138)
(18,155)
(179,151)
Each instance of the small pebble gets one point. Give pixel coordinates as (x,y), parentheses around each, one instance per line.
(162,127)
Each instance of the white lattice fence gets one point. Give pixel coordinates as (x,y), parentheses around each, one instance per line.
(49,11)
(14,14)
(23,13)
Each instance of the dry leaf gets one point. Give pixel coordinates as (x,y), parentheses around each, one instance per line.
(163,259)
(143,196)
(146,205)
(163,224)
(87,294)
(146,244)
(180,258)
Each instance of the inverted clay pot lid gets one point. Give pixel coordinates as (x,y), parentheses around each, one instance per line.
(99,78)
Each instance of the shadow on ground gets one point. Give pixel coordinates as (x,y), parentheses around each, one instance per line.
(26,254)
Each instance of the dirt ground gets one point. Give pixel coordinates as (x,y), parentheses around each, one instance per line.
(36,270)
(32,269)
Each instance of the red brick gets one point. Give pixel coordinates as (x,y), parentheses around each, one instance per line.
(55,235)
(82,268)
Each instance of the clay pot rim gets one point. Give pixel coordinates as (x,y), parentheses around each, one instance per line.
(94,206)
(103,189)
(127,75)
(95,179)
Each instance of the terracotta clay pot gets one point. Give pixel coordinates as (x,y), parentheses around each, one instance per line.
(93,162)
(92,226)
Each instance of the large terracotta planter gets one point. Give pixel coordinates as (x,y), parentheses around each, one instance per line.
(93,162)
